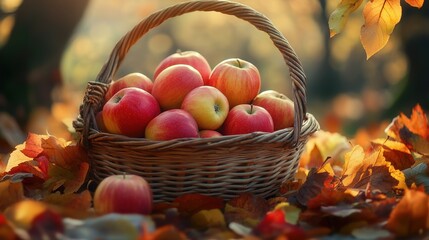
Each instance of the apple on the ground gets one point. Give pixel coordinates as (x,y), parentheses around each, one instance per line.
(192,58)
(247,118)
(237,79)
(123,194)
(209,133)
(135,79)
(129,111)
(280,107)
(172,124)
(207,105)
(174,83)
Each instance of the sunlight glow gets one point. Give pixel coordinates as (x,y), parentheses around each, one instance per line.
(9,6)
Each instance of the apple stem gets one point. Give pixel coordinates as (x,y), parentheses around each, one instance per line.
(239,63)
(123,174)
(251,108)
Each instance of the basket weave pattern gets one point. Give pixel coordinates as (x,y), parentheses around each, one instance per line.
(223,166)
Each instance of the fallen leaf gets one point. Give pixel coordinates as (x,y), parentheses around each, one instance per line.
(206,219)
(315,183)
(381,17)
(361,170)
(340,210)
(417,124)
(395,152)
(339,17)
(189,204)
(14,192)
(410,216)
(291,212)
(414,142)
(274,225)
(164,233)
(329,197)
(371,233)
(109,227)
(46,225)
(246,209)
(418,175)
(6,231)
(72,205)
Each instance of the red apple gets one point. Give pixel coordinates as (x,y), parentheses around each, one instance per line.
(207,105)
(129,111)
(174,83)
(135,79)
(279,106)
(192,58)
(246,118)
(237,79)
(172,124)
(209,133)
(123,194)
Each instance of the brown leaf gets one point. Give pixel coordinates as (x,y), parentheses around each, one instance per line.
(395,152)
(410,216)
(13,191)
(316,181)
(246,209)
(74,205)
(189,204)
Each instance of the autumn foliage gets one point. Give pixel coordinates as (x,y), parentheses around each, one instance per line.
(380,18)
(371,186)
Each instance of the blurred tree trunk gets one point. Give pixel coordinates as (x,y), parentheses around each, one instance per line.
(30,60)
(414,32)
(327,84)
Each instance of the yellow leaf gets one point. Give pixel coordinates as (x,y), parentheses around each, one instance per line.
(415,3)
(205,219)
(381,16)
(339,17)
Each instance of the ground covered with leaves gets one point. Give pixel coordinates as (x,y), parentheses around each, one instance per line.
(373,186)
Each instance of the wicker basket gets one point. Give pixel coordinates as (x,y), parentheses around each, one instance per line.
(224,166)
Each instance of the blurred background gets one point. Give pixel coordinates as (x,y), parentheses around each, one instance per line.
(50,49)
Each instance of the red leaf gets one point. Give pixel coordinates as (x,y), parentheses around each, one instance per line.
(32,145)
(189,204)
(330,197)
(274,225)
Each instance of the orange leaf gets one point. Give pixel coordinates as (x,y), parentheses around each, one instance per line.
(339,17)
(410,216)
(164,232)
(396,153)
(380,16)
(6,231)
(415,3)
(360,171)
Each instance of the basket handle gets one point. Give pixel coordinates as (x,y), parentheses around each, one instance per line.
(238,10)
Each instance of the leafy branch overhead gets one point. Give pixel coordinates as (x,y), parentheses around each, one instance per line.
(380,18)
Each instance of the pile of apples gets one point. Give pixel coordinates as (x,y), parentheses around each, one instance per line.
(188,99)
